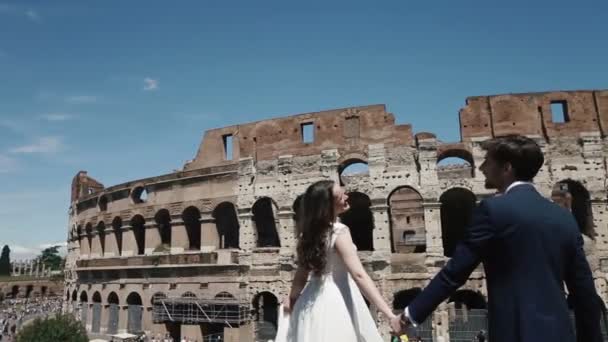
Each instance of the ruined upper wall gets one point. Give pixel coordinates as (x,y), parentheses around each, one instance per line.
(83,185)
(347,130)
(530,114)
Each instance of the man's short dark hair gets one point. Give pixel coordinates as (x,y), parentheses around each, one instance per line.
(523,153)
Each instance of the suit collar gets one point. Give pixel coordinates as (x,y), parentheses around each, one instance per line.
(518,183)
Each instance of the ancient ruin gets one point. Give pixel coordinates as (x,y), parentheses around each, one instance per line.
(209,249)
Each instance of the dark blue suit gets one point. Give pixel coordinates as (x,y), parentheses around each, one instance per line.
(529,247)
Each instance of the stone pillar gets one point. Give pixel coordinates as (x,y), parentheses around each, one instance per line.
(111,249)
(84,247)
(287,229)
(192,332)
(37,269)
(123,316)
(247,237)
(179,236)
(152,238)
(31,268)
(210,239)
(96,246)
(432,224)
(381,233)
(105,316)
(427,158)
(129,245)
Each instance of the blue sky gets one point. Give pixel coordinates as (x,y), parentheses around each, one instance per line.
(125,89)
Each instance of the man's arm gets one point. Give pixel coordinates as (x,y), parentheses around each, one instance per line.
(466,257)
(581,288)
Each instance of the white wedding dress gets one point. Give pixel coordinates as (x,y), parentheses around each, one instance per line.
(330,307)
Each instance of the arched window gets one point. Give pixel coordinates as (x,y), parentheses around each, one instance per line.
(406,213)
(192,220)
(117,227)
(352,170)
(101,234)
(227,224)
(360,219)
(457,206)
(163,221)
(139,231)
(265,309)
(455,164)
(264,219)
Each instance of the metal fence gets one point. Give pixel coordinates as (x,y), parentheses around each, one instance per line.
(465,325)
(96,321)
(134,318)
(113,318)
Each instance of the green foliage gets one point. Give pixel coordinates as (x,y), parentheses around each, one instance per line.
(51,258)
(5,261)
(63,328)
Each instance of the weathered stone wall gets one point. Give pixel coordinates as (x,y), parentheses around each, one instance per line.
(272,164)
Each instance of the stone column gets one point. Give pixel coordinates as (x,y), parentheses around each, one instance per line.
(129,245)
(111,249)
(96,246)
(31,268)
(179,236)
(123,316)
(329,164)
(37,269)
(210,239)
(84,247)
(152,238)
(381,233)
(287,229)
(432,224)
(427,158)
(247,237)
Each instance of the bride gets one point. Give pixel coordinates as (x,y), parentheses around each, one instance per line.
(330,306)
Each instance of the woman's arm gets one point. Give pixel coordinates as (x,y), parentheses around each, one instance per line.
(344,246)
(298,283)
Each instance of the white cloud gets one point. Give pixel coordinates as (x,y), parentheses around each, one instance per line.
(43,145)
(150,84)
(57,117)
(79,99)
(32,15)
(19,252)
(7,164)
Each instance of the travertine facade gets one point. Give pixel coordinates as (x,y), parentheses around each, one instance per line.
(224,225)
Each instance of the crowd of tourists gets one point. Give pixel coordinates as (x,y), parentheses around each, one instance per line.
(15,312)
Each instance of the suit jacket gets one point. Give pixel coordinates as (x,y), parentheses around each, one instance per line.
(529,247)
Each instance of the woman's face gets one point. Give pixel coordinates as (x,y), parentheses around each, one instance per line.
(340,199)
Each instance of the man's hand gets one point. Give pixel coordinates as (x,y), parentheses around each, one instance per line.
(398,324)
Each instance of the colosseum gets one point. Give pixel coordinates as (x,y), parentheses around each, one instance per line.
(209,250)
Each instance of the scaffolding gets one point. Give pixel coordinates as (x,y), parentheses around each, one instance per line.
(191,310)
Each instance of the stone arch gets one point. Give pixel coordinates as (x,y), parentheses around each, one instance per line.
(406,217)
(188,294)
(224,295)
(74,296)
(135,311)
(84,306)
(468,299)
(139,194)
(402,298)
(43,290)
(96,309)
(351,170)
(156,297)
(89,232)
(360,219)
(113,313)
(192,221)
(67,295)
(265,221)
(575,197)
(113,298)
(117,228)
(138,224)
(265,310)
(101,234)
(102,203)
(455,162)
(227,225)
(84,298)
(163,222)
(457,206)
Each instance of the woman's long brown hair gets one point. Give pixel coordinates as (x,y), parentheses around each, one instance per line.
(315,220)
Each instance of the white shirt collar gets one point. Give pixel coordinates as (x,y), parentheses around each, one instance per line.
(516,183)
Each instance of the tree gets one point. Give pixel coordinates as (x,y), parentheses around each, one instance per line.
(59,328)
(5,261)
(50,258)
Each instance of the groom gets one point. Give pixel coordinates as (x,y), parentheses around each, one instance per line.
(529,247)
